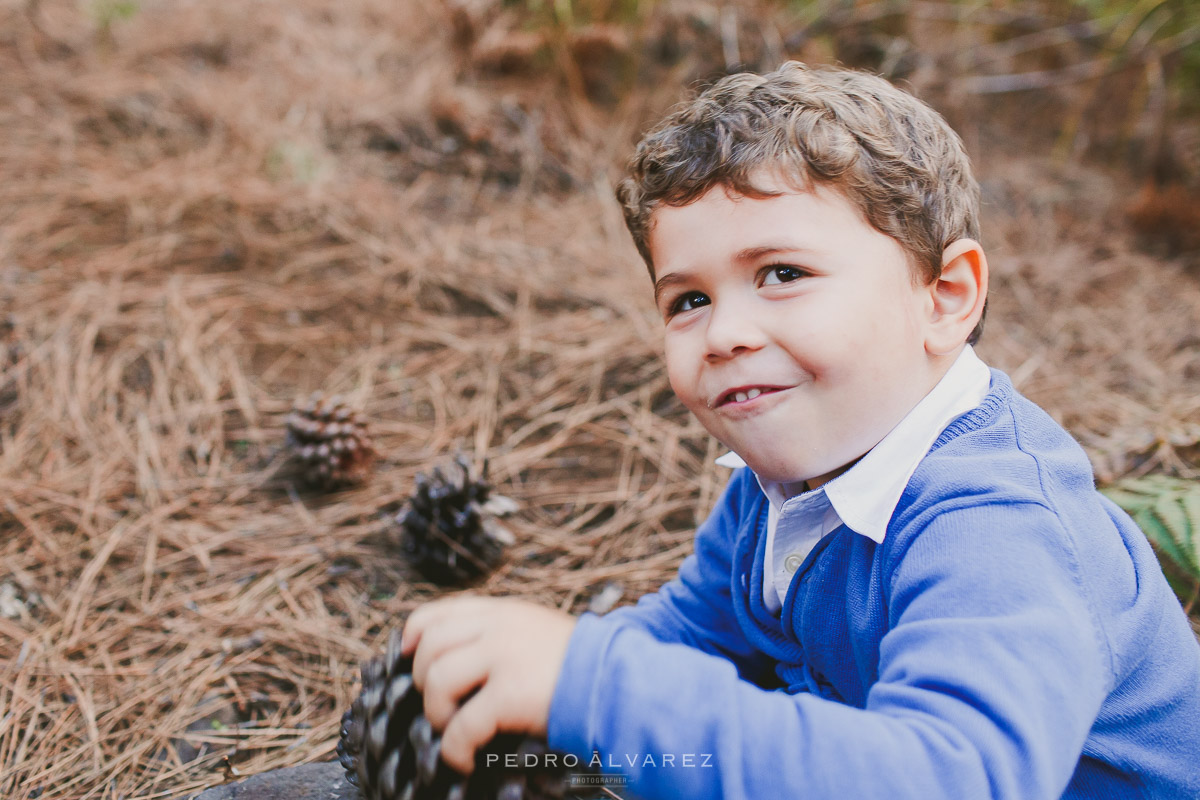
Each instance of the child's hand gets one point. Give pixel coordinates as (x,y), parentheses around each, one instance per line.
(510,650)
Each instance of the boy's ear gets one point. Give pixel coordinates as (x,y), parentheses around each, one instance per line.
(958,296)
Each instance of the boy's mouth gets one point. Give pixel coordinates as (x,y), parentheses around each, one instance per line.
(744,394)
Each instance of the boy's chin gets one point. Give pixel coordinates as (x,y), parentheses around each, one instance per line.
(779,471)
(790,471)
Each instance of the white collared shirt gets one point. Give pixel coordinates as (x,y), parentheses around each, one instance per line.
(863,497)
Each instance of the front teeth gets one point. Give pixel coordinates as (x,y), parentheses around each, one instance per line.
(741,397)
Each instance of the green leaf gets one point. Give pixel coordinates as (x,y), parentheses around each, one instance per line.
(1168,512)
(1160,536)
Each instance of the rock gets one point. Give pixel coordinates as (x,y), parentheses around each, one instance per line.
(604,600)
(324,781)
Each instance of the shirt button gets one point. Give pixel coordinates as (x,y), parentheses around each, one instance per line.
(792,563)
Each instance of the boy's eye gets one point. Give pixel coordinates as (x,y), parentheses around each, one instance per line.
(689,301)
(782,274)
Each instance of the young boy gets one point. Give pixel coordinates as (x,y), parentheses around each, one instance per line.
(911,589)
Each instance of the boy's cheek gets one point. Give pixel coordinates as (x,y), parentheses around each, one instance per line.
(690,401)
(680,373)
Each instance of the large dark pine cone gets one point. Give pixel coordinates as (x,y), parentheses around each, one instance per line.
(391,752)
(448,526)
(330,440)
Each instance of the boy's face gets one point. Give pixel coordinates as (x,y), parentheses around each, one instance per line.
(794,331)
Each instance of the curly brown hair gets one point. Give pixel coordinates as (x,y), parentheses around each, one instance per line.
(892,155)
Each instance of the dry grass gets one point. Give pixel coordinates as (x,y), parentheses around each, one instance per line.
(209,210)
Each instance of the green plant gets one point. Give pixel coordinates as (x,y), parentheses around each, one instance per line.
(1168,511)
(573,13)
(293,160)
(1159,39)
(107,13)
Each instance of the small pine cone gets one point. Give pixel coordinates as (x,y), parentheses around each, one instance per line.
(12,348)
(448,526)
(390,751)
(12,351)
(330,439)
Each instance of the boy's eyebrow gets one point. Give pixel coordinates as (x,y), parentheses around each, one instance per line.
(671,278)
(754,253)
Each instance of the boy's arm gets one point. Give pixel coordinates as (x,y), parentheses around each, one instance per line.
(989,680)
(696,607)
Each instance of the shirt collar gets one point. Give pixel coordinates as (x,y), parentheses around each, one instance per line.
(865,496)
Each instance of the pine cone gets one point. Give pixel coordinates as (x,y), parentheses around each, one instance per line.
(330,439)
(11,352)
(390,751)
(448,526)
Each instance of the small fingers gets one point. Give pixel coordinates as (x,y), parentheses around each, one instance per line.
(451,678)
(471,728)
(426,616)
(438,640)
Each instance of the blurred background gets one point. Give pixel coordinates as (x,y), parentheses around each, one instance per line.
(208,210)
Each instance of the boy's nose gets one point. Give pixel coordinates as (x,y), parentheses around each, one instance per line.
(732,329)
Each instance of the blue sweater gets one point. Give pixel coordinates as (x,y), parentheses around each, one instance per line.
(1012,637)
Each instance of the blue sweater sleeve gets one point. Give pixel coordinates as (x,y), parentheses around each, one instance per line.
(990,677)
(696,608)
